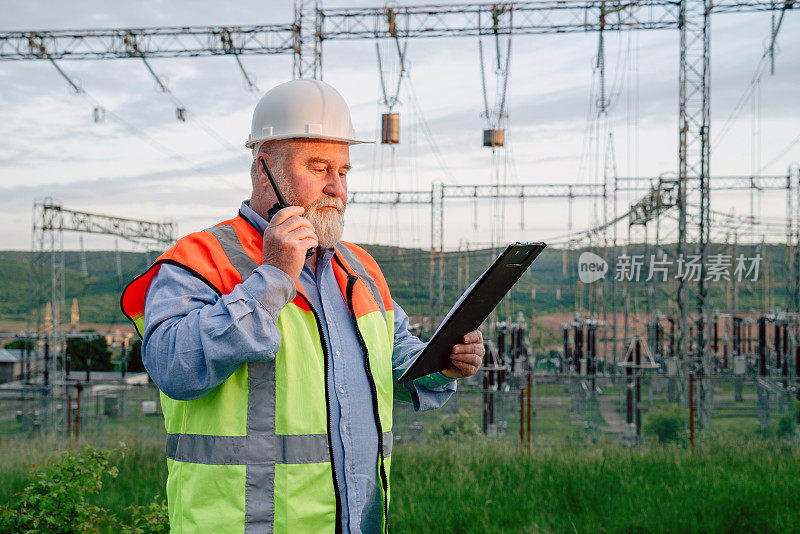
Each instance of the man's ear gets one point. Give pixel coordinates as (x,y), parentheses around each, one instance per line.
(260,172)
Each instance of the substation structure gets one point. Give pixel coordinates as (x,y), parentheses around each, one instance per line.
(677,210)
(607,342)
(47,397)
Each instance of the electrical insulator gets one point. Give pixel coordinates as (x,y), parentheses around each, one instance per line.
(493,138)
(390,128)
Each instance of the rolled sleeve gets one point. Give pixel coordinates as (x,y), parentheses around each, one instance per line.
(427,392)
(436,380)
(271,288)
(194,339)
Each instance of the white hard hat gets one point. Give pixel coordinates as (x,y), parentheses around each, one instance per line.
(304,108)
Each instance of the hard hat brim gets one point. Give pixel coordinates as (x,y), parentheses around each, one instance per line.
(348,140)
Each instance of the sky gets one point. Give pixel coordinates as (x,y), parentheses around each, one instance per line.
(143,163)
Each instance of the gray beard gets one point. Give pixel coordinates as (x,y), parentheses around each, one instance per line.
(328,224)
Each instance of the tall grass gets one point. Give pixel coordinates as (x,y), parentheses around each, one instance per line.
(480,485)
(486,486)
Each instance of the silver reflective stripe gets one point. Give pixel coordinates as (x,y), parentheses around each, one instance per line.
(254,450)
(353,261)
(388,439)
(259,450)
(201,449)
(259,506)
(306,449)
(233,248)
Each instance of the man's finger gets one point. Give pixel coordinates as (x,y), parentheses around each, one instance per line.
(285,213)
(293,223)
(472,348)
(302,232)
(464,368)
(473,337)
(470,359)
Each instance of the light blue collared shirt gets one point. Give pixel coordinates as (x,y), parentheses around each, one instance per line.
(194,340)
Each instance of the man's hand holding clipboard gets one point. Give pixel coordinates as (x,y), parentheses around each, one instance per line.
(459,329)
(466,357)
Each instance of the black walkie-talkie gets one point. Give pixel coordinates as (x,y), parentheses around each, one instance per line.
(281,203)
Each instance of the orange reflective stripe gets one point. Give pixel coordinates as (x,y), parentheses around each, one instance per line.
(363,301)
(132,299)
(301,299)
(200,254)
(374,271)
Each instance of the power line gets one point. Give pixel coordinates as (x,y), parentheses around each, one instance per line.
(181,109)
(80,91)
(428,133)
(782,153)
(767,58)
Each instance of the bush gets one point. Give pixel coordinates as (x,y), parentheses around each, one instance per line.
(787,423)
(55,501)
(152,519)
(667,424)
(459,425)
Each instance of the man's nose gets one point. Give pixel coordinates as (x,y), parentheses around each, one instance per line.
(335,186)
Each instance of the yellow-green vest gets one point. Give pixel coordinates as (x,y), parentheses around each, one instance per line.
(254,454)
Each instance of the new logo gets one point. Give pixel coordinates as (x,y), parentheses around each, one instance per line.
(591,267)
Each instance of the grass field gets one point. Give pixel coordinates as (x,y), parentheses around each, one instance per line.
(486,487)
(480,485)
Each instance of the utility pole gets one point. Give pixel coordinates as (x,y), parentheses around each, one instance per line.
(307,42)
(693,165)
(50,221)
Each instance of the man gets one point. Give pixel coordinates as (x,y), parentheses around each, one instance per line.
(276,371)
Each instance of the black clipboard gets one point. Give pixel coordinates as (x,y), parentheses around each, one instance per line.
(473,308)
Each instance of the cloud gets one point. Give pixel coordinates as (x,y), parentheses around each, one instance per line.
(51,145)
(173,177)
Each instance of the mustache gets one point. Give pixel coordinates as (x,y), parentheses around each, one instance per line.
(327,202)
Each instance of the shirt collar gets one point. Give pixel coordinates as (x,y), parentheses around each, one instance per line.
(261,225)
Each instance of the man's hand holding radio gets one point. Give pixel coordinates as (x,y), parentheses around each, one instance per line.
(286,240)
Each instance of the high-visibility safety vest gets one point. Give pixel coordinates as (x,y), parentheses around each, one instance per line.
(254,454)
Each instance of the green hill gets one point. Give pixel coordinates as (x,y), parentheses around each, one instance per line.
(408,274)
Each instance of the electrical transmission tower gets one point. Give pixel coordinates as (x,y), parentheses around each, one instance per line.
(661,196)
(313,25)
(436,197)
(50,221)
(307,39)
